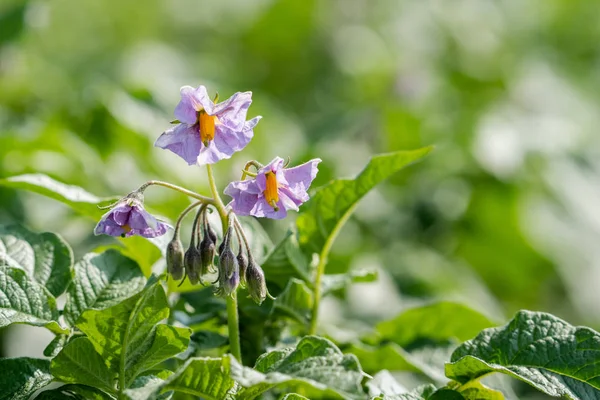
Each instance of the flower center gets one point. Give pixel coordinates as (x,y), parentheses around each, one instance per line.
(271,193)
(126,229)
(206,126)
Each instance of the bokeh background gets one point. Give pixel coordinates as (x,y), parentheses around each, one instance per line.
(503,214)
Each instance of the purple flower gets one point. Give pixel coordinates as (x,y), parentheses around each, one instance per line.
(129,218)
(209,132)
(274,190)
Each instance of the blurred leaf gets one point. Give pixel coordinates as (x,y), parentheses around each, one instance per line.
(388,356)
(286,261)
(438,322)
(22,377)
(260,242)
(423,392)
(341,281)
(74,392)
(46,257)
(325,213)
(295,301)
(384,384)
(56,345)
(78,199)
(207,340)
(78,362)
(446,394)
(294,396)
(128,335)
(315,364)
(145,251)
(101,281)
(147,386)
(204,377)
(23,301)
(538,348)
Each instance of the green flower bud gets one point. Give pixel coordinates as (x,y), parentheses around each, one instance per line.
(193,265)
(207,254)
(175,258)
(243,265)
(255,282)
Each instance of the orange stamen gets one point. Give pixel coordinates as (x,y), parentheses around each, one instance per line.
(271,193)
(206,125)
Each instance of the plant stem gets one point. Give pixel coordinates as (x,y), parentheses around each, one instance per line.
(189,193)
(232,307)
(321,269)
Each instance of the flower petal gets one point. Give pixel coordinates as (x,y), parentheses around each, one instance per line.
(244,194)
(183,140)
(211,154)
(299,178)
(273,166)
(232,112)
(263,209)
(107,226)
(192,101)
(120,214)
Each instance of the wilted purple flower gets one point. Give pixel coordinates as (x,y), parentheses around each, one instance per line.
(275,190)
(129,218)
(209,132)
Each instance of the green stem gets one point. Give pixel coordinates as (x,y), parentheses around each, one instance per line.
(189,193)
(232,307)
(321,269)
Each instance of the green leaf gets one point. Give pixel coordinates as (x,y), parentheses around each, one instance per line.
(384,384)
(23,301)
(294,396)
(46,257)
(78,199)
(435,322)
(315,364)
(74,392)
(207,340)
(475,390)
(78,362)
(260,242)
(446,394)
(101,281)
(148,387)
(21,377)
(328,209)
(388,356)
(128,335)
(341,281)
(295,301)
(423,392)
(204,377)
(538,348)
(286,261)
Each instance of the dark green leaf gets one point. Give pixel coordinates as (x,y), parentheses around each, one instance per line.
(423,392)
(538,348)
(446,394)
(101,281)
(207,340)
(315,364)
(286,261)
(328,209)
(295,301)
(435,322)
(45,257)
(128,335)
(259,240)
(21,377)
(148,387)
(73,196)
(23,301)
(78,362)
(74,392)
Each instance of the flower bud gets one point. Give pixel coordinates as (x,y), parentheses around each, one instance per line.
(255,282)
(210,232)
(207,254)
(229,273)
(193,265)
(175,258)
(242,264)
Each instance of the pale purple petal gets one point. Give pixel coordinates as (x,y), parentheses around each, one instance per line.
(211,154)
(130,214)
(107,226)
(263,209)
(183,140)
(299,178)
(244,194)
(120,214)
(192,101)
(232,112)
(292,200)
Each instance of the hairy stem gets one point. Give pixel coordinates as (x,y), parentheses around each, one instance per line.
(321,269)
(232,307)
(204,199)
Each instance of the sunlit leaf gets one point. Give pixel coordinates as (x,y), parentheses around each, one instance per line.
(46,257)
(78,199)
(328,209)
(78,362)
(423,392)
(204,377)
(101,281)
(56,345)
(21,377)
(554,357)
(295,301)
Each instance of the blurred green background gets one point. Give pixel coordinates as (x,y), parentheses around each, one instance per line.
(503,214)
